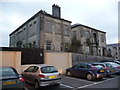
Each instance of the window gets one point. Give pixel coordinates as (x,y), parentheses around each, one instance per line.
(34,44)
(30,25)
(48,45)
(74,34)
(34,22)
(30,69)
(115,48)
(58,30)
(35,69)
(7,71)
(87,34)
(48,26)
(66,32)
(102,38)
(76,66)
(83,66)
(48,69)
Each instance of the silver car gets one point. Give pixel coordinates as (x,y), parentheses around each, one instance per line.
(42,75)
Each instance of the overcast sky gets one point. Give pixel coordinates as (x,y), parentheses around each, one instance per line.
(99,14)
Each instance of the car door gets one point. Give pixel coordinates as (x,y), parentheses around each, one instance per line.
(83,69)
(34,74)
(76,70)
(27,73)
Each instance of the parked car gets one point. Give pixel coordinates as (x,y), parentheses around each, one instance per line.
(86,70)
(115,61)
(118,62)
(42,75)
(110,70)
(116,66)
(9,78)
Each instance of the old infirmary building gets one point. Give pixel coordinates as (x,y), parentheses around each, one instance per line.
(92,41)
(53,33)
(43,30)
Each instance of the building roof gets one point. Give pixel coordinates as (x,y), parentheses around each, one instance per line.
(37,14)
(77,25)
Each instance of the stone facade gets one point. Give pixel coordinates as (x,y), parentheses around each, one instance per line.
(92,41)
(113,50)
(43,31)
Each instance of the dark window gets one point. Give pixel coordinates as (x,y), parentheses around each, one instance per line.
(48,69)
(35,22)
(48,45)
(30,25)
(7,72)
(95,38)
(34,44)
(76,66)
(102,38)
(30,69)
(58,29)
(83,66)
(35,69)
(66,31)
(74,34)
(48,26)
(114,47)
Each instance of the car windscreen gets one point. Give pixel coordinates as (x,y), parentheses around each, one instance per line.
(48,69)
(114,64)
(97,65)
(108,65)
(118,62)
(7,72)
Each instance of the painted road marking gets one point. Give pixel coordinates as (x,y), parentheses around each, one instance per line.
(97,83)
(66,86)
(78,79)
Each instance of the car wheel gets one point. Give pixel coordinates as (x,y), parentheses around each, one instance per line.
(36,84)
(68,73)
(89,77)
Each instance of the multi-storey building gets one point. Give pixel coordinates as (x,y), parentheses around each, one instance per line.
(43,30)
(113,50)
(92,41)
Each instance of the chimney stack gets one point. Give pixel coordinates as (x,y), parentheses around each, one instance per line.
(56,11)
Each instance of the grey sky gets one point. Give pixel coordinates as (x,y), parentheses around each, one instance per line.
(99,14)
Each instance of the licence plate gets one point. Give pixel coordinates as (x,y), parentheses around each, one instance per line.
(50,77)
(9,82)
(112,71)
(101,70)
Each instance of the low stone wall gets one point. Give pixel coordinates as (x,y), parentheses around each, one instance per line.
(76,58)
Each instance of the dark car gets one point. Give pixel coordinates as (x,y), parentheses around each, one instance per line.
(42,75)
(110,70)
(115,61)
(9,78)
(116,66)
(86,70)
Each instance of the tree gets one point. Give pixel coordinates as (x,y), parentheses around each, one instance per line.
(75,46)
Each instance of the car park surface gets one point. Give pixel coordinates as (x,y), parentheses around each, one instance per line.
(86,70)
(42,75)
(76,83)
(10,78)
